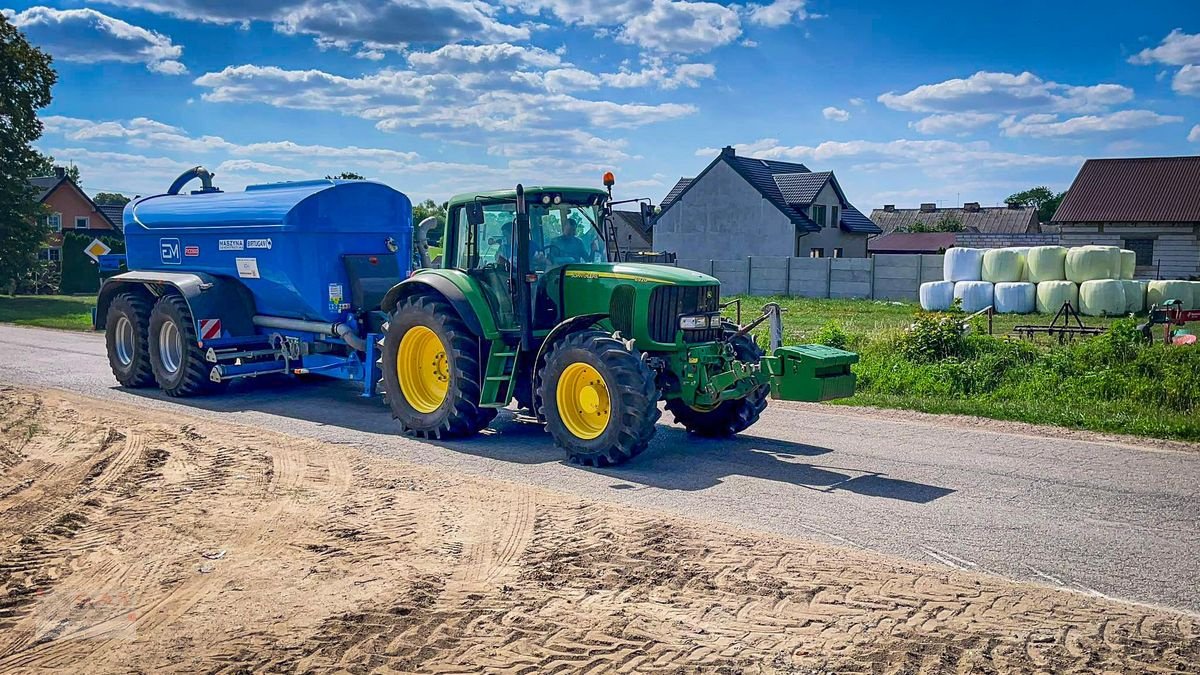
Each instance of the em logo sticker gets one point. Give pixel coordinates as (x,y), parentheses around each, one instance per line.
(168,251)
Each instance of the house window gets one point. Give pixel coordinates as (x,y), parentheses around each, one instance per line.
(833,220)
(819,215)
(839,252)
(816,253)
(51,253)
(1143,249)
(82,222)
(54,220)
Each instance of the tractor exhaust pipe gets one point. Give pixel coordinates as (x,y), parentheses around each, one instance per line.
(339,330)
(421,238)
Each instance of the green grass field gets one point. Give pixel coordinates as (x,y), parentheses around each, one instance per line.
(67,312)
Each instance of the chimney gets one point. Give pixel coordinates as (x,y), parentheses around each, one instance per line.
(60,172)
(728,151)
(971,207)
(889,207)
(928,207)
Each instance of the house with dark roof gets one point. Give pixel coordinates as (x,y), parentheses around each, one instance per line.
(971,217)
(69,210)
(744,206)
(1149,205)
(631,232)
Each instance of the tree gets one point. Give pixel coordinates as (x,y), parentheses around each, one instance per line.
(946,223)
(1042,198)
(111,198)
(430,208)
(46,164)
(346,175)
(26,78)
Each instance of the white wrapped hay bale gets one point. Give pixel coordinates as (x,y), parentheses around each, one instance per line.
(975,295)
(1002,264)
(1158,292)
(1128,263)
(1046,263)
(1135,296)
(1102,297)
(1016,297)
(962,264)
(1089,263)
(1023,251)
(937,296)
(1052,294)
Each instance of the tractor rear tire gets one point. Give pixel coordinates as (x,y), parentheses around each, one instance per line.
(728,417)
(598,398)
(440,368)
(125,329)
(175,357)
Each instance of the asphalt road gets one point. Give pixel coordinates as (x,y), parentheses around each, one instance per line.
(1099,518)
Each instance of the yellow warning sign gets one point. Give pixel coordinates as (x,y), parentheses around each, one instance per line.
(96,249)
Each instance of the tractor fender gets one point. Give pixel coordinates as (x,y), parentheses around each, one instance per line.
(207,296)
(453,292)
(563,329)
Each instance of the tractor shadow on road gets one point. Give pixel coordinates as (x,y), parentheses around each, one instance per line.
(675,459)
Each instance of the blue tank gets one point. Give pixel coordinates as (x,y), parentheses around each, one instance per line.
(284,241)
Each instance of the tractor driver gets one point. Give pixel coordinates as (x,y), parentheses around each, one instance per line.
(567,247)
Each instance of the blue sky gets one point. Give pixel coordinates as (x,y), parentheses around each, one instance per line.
(907,102)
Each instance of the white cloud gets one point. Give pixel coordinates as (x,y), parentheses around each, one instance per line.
(374,24)
(1194,134)
(87,36)
(934,157)
(857,102)
(1177,49)
(778,13)
(247,166)
(682,27)
(1187,81)
(483,58)
(1049,125)
(990,92)
(952,123)
(835,114)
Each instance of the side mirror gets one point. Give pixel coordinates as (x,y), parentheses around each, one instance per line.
(647,213)
(475,213)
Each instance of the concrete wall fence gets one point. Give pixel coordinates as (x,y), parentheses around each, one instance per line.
(889,277)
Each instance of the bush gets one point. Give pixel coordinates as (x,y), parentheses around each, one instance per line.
(832,335)
(933,337)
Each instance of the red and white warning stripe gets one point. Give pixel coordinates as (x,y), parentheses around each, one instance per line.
(210,329)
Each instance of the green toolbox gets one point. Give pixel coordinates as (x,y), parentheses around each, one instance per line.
(811,373)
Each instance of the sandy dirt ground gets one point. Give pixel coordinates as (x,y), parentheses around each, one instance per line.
(140,541)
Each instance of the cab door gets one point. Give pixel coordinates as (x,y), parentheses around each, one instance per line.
(485,253)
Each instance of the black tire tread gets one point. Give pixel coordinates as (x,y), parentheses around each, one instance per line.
(636,391)
(195,380)
(729,417)
(466,417)
(141,375)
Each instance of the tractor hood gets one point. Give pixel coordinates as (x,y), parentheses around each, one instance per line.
(639,273)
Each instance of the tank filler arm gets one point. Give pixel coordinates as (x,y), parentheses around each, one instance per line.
(186,177)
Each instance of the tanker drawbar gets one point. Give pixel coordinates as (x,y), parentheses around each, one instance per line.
(283,278)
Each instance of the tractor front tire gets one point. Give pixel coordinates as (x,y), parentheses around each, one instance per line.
(175,357)
(598,398)
(431,372)
(125,328)
(728,417)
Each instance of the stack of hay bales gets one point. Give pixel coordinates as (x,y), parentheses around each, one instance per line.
(1096,280)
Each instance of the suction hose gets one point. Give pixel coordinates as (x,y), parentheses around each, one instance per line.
(341,330)
(205,176)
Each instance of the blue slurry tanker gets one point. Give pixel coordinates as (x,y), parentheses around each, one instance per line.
(281,278)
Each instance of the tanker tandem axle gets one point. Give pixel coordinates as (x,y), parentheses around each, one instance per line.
(282,278)
(318,277)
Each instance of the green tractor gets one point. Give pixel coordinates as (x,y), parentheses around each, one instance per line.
(519,308)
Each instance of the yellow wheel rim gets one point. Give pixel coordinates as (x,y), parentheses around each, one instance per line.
(583,402)
(423,369)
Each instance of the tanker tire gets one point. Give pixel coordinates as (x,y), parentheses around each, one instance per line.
(137,373)
(633,398)
(459,415)
(190,375)
(729,417)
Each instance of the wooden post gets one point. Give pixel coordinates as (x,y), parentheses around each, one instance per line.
(787,276)
(749,274)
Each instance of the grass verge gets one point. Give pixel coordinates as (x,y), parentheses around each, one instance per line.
(67,312)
